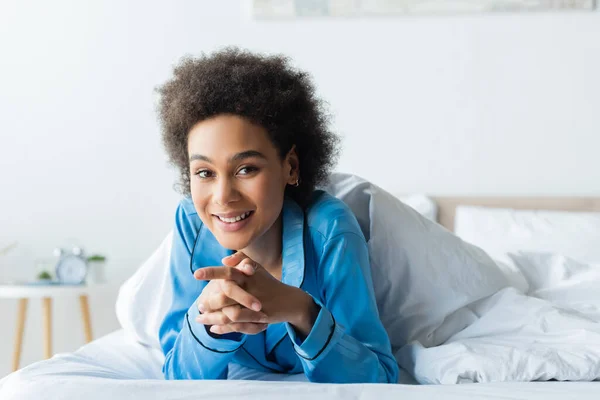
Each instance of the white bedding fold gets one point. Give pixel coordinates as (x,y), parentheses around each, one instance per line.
(514,337)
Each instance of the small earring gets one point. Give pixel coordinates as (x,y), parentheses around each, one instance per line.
(297,183)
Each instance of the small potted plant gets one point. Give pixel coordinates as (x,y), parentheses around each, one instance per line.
(44,270)
(44,276)
(95,272)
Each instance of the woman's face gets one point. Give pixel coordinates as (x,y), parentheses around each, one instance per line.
(237,179)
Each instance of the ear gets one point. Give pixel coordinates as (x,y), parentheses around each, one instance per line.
(293,166)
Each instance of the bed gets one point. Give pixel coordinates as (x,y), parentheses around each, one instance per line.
(116,367)
(122,365)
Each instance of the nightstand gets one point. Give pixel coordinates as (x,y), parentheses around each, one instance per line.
(47,292)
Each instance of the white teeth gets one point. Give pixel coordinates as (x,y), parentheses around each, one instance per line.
(234,219)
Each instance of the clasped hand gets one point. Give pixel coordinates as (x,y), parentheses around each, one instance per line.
(244,297)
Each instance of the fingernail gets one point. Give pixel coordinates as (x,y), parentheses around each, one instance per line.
(263,318)
(256,306)
(201,308)
(213,329)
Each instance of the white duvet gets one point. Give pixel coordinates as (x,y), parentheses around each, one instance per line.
(552,333)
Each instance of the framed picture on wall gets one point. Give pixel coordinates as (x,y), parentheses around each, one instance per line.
(265,9)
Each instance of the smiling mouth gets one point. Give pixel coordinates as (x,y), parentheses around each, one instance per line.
(234,219)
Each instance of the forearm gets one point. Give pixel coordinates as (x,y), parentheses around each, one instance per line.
(329,354)
(350,361)
(198,355)
(304,312)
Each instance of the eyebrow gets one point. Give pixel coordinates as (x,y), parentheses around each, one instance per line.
(237,157)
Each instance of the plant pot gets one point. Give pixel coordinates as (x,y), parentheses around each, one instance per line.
(96,272)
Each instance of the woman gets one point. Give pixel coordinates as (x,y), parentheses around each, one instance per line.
(267,272)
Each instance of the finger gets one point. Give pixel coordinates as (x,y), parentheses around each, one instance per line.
(241,314)
(244,327)
(247,266)
(217,301)
(234,259)
(241,262)
(234,292)
(210,273)
(213,318)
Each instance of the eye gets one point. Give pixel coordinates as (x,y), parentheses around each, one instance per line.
(247,170)
(204,173)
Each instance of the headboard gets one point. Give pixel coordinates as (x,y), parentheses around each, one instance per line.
(447,205)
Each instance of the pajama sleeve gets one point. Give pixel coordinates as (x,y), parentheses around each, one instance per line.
(347,343)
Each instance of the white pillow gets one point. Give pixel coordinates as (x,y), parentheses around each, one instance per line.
(144,299)
(499,231)
(562,280)
(423,204)
(423,275)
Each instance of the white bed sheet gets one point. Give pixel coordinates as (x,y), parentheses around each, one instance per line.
(116,367)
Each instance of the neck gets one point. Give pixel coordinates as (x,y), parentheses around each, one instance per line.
(266,250)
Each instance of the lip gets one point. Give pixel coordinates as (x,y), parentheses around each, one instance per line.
(230,214)
(233,226)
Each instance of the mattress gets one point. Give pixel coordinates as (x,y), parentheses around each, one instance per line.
(116,367)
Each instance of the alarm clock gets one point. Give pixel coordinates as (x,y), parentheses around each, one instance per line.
(71,267)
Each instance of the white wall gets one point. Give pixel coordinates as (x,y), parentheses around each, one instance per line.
(480,104)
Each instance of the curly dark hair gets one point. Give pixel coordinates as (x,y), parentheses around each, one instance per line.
(267,91)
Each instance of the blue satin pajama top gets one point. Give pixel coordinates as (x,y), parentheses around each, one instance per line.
(324,254)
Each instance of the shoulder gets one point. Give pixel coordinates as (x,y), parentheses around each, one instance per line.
(186,214)
(328,217)
(186,206)
(337,242)
(187,221)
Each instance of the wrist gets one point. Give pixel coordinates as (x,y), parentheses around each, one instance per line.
(305,312)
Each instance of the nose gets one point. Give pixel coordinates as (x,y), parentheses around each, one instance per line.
(225,192)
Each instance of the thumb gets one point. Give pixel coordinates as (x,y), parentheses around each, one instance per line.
(248,266)
(234,259)
(241,262)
